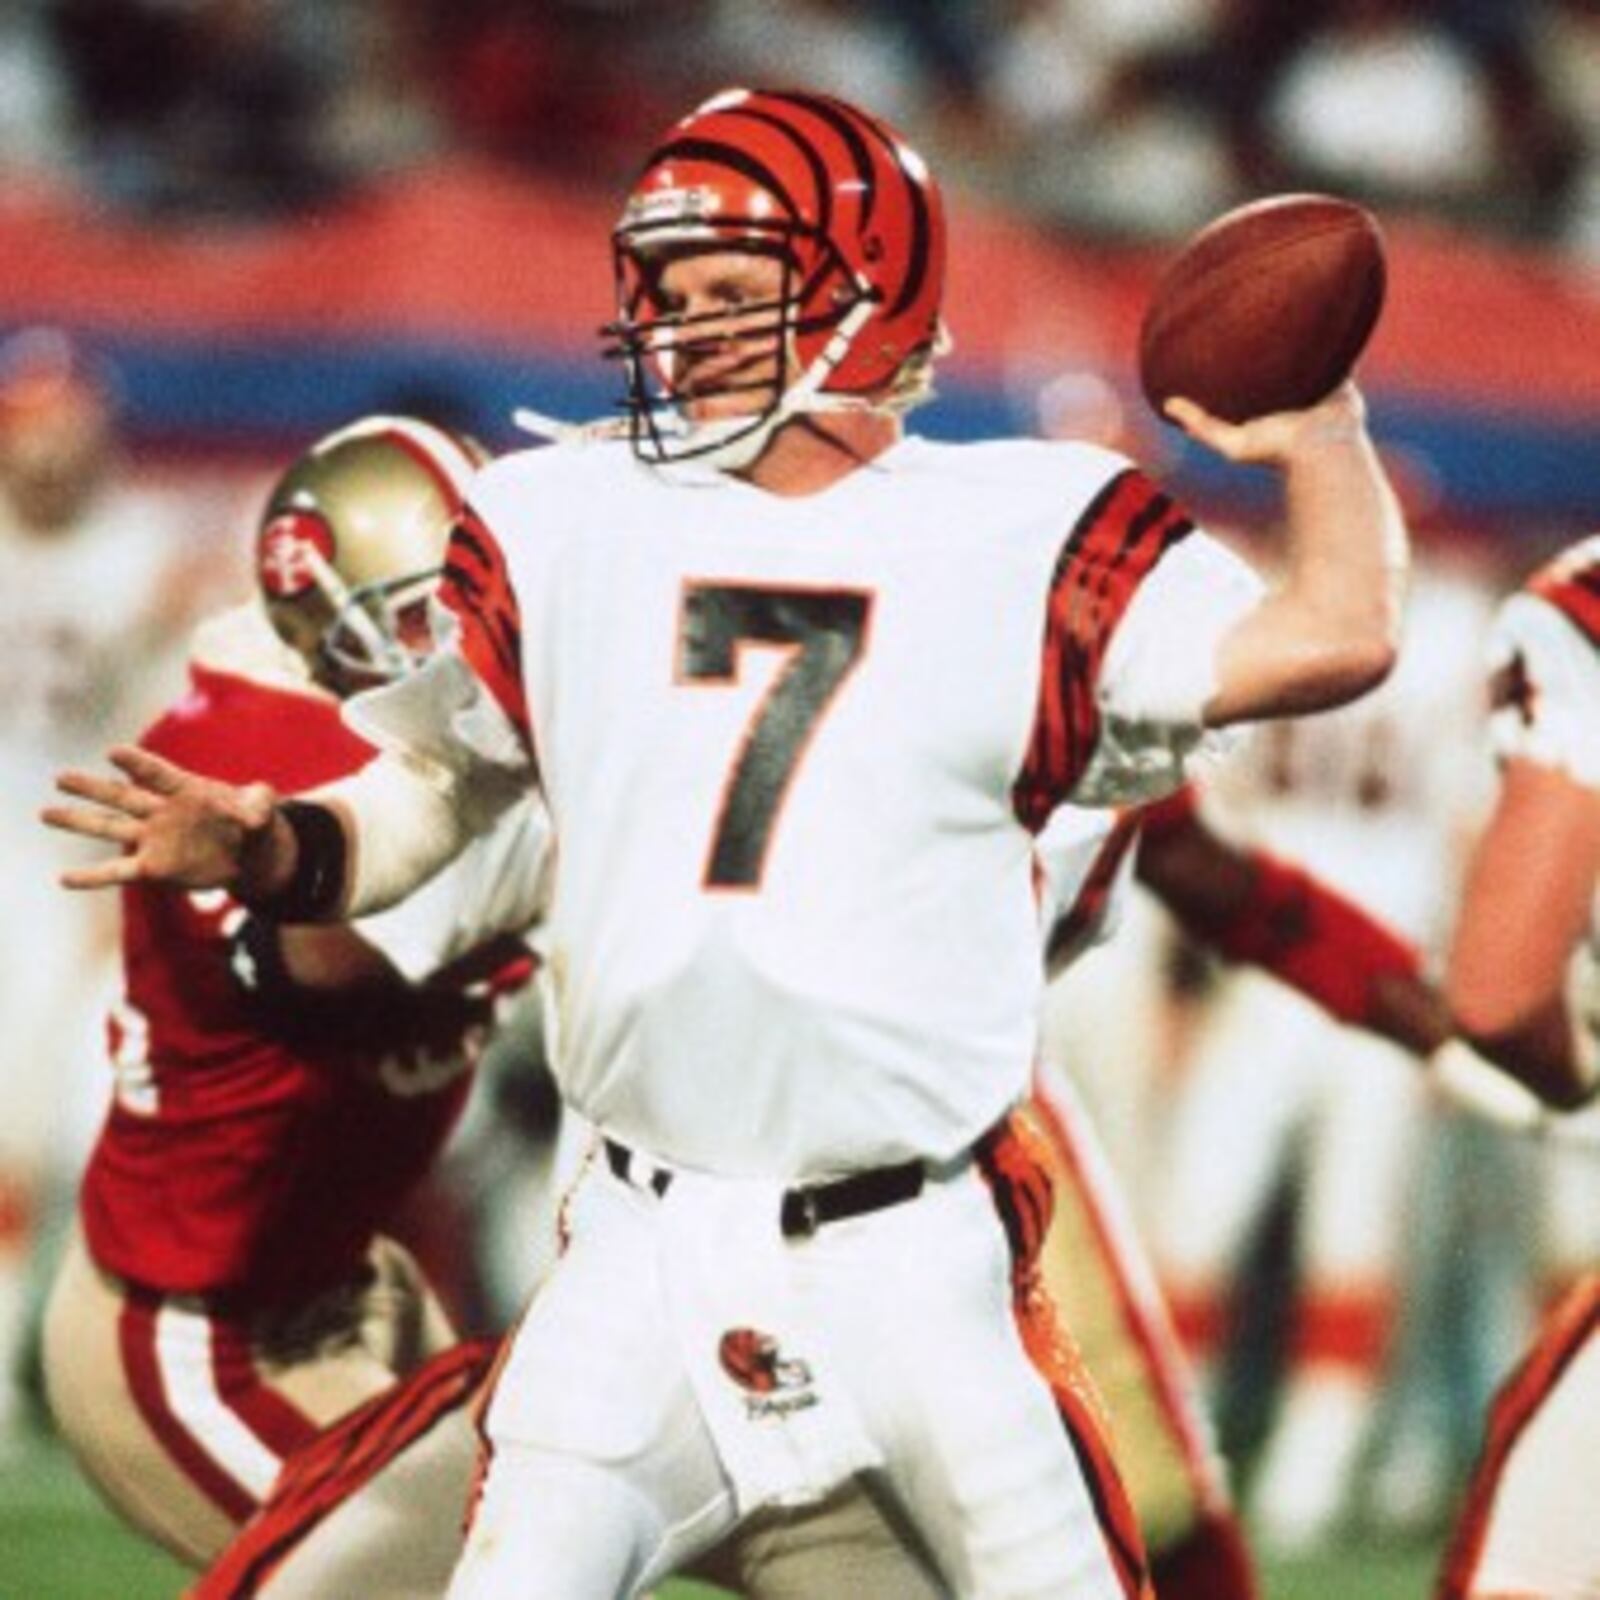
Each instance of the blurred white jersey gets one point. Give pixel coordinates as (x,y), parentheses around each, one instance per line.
(795,750)
(89,644)
(1527,1526)
(79,631)
(1374,797)
(1544,664)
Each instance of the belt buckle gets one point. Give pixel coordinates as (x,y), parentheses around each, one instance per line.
(636,1170)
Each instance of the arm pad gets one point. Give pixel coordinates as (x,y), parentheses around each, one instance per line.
(1312,938)
(403,824)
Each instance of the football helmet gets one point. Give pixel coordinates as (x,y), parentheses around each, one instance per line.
(352,542)
(856,220)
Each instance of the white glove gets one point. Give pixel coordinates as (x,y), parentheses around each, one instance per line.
(1470,1081)
(1569,1129)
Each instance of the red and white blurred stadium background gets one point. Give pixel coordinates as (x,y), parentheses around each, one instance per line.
(474,290)
(267,236)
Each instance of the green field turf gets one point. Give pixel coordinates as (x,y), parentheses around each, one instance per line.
(58,1543)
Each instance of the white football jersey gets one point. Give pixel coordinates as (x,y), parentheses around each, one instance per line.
(79,628)
(1544,683)
(795,751)
(1544,664)
(1085,866)
(498,885)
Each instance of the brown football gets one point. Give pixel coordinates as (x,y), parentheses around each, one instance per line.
(1265,309)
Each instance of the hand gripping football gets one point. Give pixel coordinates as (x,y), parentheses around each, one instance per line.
(1266,308)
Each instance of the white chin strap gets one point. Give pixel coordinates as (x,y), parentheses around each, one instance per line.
(730,444)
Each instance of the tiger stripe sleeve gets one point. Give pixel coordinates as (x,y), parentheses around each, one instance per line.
(476,587)
(1122,535)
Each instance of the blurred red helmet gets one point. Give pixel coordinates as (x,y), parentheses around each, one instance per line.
(44,370)
(850,210)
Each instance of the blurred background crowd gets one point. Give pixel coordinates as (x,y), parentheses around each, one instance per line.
(1353,1267)
(1118,116)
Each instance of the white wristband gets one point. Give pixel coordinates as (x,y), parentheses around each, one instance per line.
(1583,1006)
(1467,1080)
(1474,1084)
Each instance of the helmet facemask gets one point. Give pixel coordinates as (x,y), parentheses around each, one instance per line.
(379,632)
(795,340)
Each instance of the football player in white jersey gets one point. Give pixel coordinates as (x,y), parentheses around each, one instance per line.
(1295,1098)
(327,1526)
(98,577)
(1263,911)
(799,689)
(1522,951)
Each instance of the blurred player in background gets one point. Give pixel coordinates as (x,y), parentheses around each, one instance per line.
(1249,907)
(1521,986)
(789,1273)
(279,1092)
(99,577)
(1376,798)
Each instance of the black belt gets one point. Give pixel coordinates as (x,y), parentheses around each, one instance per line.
(806,1207)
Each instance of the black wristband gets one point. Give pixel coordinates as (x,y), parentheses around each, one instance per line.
(316,886)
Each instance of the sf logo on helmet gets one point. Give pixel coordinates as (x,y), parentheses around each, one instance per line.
(290,548)
(774,1386)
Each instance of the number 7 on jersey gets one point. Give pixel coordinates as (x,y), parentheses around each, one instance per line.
(824,632)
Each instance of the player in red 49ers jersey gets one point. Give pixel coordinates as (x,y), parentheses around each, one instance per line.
(278,1091)
(799,689)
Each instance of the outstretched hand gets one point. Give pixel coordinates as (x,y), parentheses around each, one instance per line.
(1275,439)
(174,826)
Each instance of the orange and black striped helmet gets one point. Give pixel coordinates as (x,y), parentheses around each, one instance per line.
(850,209)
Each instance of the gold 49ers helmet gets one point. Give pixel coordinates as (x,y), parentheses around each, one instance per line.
(352,542)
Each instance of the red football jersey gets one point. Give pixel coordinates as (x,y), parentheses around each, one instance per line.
(248,1153)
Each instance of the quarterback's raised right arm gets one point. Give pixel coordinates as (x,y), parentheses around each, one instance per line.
(1329,631)
(352,848)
